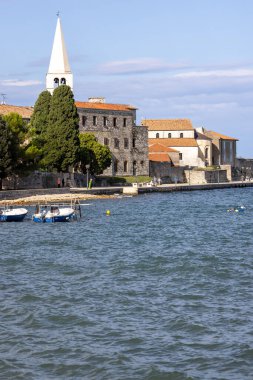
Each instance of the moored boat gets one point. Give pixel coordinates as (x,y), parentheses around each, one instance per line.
(54,213)
(10,214)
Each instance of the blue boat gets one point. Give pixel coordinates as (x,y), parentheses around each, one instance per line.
(53,214)
(10,214)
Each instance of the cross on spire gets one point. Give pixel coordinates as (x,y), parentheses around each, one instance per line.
(58,14)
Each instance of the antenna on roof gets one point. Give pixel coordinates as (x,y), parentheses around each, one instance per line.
(3,99)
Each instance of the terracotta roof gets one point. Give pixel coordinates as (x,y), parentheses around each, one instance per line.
(201,136)
(216,135)
(158,148)
(160,157)
(175,142)
(25,112)
(168,124)
(105,106)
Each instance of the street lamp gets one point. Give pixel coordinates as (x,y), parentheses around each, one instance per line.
(87,171)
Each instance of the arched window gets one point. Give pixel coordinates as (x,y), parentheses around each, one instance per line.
(125,166)
(157,136)
(116,163)
(56,82)
(134,167)
(206,153)
(63,81)
(169,135)
(181,135)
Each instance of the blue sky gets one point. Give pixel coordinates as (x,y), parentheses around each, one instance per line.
(170,58)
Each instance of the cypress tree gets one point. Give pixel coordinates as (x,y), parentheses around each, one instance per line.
(6,150)
(62,136)
(39,119)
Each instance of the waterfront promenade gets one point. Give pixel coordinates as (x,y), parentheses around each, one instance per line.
(32,196)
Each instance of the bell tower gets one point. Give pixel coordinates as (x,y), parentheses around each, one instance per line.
(59,70)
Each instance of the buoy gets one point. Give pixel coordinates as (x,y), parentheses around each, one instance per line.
(108,212)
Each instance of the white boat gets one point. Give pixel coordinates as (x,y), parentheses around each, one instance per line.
(55,213)
(10,214)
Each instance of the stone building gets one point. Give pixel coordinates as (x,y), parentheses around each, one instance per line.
(114,125)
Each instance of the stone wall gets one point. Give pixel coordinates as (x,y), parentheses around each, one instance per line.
(206,176)
(127,142)
(167,173)
(44,180)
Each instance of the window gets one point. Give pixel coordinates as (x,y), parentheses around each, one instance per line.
(116,143)
(116,162)
(169,135)
(63,81)
(115,122)
(125,143)
(124,122)
(56,82)
(125,166)
(157,135)
(180,156)
(142,163)
(206,153)
(105,121)
(95,120)
(134,168)
(84,118)
(134,142)
(106,141)
(181,135)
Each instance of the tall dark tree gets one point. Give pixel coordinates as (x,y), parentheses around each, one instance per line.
(38,127)
(39,119)
(6,150)
(61,149)
(93,153)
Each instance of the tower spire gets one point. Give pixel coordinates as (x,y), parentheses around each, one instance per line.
(59,71)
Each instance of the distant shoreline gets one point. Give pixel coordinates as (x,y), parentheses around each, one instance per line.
(34,196)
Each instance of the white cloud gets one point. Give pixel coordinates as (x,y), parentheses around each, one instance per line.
(20,83)
(138,66)
(236,73)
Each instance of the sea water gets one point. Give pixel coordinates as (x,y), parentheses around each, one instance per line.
(162,288)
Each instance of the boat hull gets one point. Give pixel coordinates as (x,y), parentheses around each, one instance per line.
(15,215)
(64,215)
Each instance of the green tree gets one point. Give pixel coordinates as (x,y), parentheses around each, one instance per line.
(38,127)
(18,128)
(61,148)
(6,150)
(39,119)
(93,153)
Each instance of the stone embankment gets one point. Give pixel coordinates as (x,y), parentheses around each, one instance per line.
(33,196)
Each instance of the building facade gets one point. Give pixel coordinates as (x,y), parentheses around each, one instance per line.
(114,125)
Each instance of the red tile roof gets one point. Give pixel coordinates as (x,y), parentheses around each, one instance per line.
(216,135)
(105,106)
(159,157)
(183,142)
(159,148)
(167,124)
(25,112)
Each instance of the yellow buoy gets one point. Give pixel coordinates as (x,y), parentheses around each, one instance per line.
(108,212)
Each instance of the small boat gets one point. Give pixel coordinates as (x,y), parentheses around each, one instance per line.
(10,214)
(54,213)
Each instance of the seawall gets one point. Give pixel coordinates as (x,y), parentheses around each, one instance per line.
(16,194)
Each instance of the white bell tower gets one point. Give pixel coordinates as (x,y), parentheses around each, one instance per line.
(59,70)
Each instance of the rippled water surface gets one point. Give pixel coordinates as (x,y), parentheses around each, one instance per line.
(161,289)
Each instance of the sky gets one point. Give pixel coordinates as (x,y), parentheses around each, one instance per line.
(169,58)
